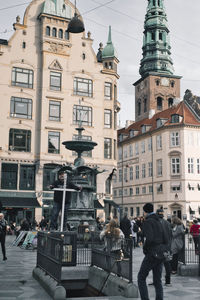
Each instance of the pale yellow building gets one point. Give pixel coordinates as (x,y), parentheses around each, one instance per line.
(50,81)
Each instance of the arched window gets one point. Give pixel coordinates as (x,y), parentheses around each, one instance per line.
(54,32)
(139,107)
(60,33)
(159,103)
(48,31)
(66,35)
(170,102)
(145,105)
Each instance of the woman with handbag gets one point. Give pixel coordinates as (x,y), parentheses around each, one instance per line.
(178,233)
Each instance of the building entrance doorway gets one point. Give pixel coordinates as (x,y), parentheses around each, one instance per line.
(177,213)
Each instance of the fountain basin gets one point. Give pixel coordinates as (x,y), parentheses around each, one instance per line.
(79,146)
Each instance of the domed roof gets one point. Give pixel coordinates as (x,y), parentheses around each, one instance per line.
(109,50)
(57,8)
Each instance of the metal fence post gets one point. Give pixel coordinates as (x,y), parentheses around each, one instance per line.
(131,262)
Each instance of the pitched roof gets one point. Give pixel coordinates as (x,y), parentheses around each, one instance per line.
(188,118)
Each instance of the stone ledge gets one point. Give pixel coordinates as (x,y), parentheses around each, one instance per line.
(188,270)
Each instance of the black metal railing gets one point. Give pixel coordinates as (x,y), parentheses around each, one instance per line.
(190,253)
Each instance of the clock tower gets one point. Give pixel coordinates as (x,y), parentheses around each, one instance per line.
(158,86)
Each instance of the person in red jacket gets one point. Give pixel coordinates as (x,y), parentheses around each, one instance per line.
(195,232)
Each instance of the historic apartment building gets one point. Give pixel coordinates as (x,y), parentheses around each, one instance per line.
(50,81)
(158,154)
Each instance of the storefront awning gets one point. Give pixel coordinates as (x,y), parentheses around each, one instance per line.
(192,212)
(97,205)
(19,202)
(111,202)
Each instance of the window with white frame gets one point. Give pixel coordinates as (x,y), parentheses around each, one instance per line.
(137,172)
(175,165)
(107,118)
(158,142)
(108,91)
(55,81)
(83,87)
(198,165)
(22,77)
(120,192)
(144,190)
(21,108)
(150,168)
(131,173)
(143,146)
(174,139)
(159,167)
(149,144)
(125,174)
(120,175)
(136,148)
(143,170)
(137,190)
(130,150)
(190,165)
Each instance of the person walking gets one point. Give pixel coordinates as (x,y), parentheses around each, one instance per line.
(113,237)
(155,242)
(134,231)
(3,228)
(195,232)
(178,233)
(125,226)
(58,197)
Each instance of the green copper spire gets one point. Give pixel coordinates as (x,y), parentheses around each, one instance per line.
(156,43)
(109,50)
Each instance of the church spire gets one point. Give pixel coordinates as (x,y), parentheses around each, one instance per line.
(156,43)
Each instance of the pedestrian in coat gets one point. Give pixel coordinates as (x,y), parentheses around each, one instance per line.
(3,228)
(125,226)
(178,233)
(195,232)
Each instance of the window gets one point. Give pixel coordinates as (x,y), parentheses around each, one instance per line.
(131,211)
(115,149)
(150,168)
(24,45)
(160,36)
(174,139)
(120,175)
(21,108)
(107,118)
(149,144)
(54,142)
(66,35)
(150,189)
(137,190)
(119,153)
(83,138)
(198,165)
(54,110)
(131,133)
(82,114)
(83,87)
(170,102)
(144,190)
(190,165)
(60,33)
(125,152)
(143,146)
(143,170)
(175,118)
(131,173)
(137,172)
(19,140)
(139,107)
(125,193)
(115,92)
(158,142)
(190,187)
(107,148)
(108,91)
(125,174)
(145,105)
(120,192)
(136,148)
(9,176)
(115,193)
(27,177)
(49,175)
(137,211)
(108,186)
(159,103)
(130,150)
(175,165)
(55,81)
(131,191)
(22,77)
(144,128)
(153,36)
(159,188)
(159,167)
(175,186)
(54,32)
(48,31)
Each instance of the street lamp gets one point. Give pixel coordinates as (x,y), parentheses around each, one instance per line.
(75,25)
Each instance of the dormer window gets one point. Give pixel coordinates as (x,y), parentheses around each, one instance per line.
(175,118)
(160,122)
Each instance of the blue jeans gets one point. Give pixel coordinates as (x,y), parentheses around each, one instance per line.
(57,207)
(150,263)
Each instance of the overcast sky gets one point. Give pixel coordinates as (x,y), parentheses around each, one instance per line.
(127,20)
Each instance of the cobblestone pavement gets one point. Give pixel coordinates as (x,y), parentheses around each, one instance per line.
(16,281)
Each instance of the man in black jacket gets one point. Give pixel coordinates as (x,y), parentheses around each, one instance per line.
(3,227)
(153,233)
(58,197)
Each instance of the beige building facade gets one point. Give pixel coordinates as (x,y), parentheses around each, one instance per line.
(52,80)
